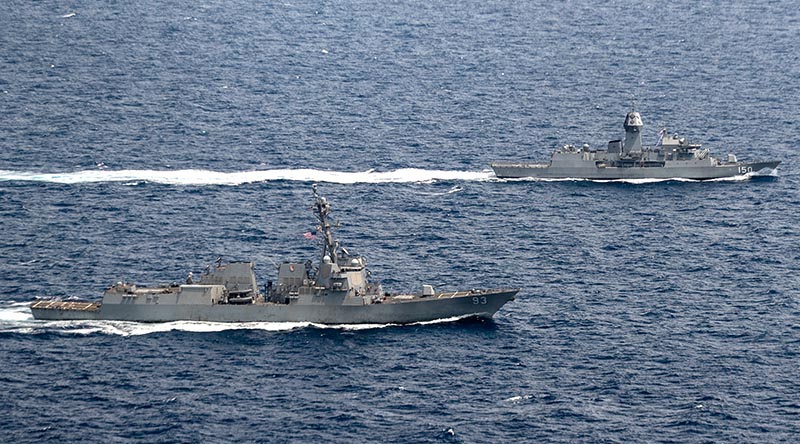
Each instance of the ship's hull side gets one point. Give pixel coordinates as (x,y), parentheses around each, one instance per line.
(516,170)
(481,304)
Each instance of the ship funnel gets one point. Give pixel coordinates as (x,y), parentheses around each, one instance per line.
(633,132)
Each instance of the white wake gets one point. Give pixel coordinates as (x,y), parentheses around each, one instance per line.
(196,177)
(208,177)
(16,317)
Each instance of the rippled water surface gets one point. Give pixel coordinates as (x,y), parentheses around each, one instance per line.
(143,140)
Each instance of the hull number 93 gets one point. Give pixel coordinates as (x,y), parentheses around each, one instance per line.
(479,300)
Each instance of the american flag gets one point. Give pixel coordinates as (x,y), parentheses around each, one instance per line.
(310,235)
(661,135)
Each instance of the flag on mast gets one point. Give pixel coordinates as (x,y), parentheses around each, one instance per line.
(661,135)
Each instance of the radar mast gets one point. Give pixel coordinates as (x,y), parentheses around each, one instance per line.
(322,209)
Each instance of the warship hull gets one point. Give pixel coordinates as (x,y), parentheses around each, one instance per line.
(394,310)
(518,170)
(338,290)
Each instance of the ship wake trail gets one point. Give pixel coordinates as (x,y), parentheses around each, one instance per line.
(16,318)
(208,177)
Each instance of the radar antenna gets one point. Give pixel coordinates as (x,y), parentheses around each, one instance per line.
(322,209)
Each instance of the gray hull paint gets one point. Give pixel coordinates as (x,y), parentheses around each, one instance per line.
(483,305)
(517,170)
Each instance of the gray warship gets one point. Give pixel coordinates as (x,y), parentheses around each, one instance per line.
(337,291)
(672,157)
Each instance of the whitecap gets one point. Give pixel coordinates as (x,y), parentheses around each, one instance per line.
(518,398)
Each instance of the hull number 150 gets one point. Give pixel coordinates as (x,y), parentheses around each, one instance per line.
(745,170)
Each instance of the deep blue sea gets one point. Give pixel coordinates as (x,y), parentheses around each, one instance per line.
(142,140)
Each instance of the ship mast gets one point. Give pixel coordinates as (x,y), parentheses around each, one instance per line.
(633,132)
(322,209)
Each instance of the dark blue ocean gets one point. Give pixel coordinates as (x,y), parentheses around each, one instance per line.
(142,140)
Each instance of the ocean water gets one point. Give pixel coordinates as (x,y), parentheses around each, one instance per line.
(142,140)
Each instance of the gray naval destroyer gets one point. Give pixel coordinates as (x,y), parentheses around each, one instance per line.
(671,158)
(337,291)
